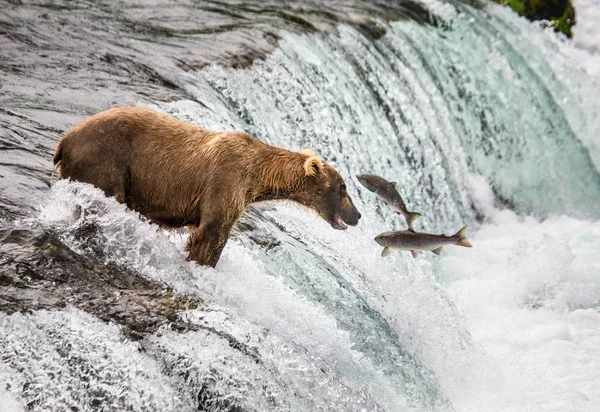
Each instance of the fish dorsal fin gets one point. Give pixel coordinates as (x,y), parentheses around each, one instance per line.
(438,250)
(385,252)
(415,253)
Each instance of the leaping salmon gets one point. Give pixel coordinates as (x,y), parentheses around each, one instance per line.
(417,242)
(388,192)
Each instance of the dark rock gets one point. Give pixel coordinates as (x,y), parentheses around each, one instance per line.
(248,229)
(209,400)
(38,271)
(372,29)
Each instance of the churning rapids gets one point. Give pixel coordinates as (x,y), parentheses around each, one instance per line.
(482,117)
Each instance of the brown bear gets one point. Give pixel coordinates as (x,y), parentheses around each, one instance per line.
(177,174)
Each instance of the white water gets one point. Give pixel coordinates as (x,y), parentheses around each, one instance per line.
(510,325)
(587,36)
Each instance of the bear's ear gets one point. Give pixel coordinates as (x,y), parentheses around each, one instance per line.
(308,152)
(313,166)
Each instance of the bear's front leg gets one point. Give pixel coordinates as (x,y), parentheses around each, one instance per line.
(206,242)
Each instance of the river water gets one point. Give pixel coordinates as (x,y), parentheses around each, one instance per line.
(483,119)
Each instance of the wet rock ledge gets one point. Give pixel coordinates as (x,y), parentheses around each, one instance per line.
(38,271)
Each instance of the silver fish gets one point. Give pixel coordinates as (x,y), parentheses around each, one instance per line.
(388,192)
(417,242)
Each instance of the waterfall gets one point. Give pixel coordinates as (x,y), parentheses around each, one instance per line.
(481,119)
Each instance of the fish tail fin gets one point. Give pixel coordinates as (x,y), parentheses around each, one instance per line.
(385,252)
(410,218)
(462,238)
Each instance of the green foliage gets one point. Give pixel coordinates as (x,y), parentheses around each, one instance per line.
(559,13)
(564,23)
(516,5)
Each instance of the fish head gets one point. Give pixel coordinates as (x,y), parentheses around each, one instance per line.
(385,190)
(380,239)
(371,182)
(383,238)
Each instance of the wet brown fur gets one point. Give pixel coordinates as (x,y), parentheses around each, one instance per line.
(177,174)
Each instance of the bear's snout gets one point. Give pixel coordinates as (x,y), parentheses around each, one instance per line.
(351,215)
(352,220)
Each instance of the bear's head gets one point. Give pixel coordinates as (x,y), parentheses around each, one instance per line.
(324,191)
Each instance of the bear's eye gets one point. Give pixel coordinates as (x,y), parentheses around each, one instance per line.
(343,188)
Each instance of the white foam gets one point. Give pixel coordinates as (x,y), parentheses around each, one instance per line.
(8,402)
(239,287)
(586,33)
(530,294)
(584,49)
(65,358)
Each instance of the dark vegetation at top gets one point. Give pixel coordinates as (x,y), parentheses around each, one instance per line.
(559,13)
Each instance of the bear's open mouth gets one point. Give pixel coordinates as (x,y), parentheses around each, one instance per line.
(338,223)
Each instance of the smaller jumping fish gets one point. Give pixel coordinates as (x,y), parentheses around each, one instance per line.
(388,192)
(417,242)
